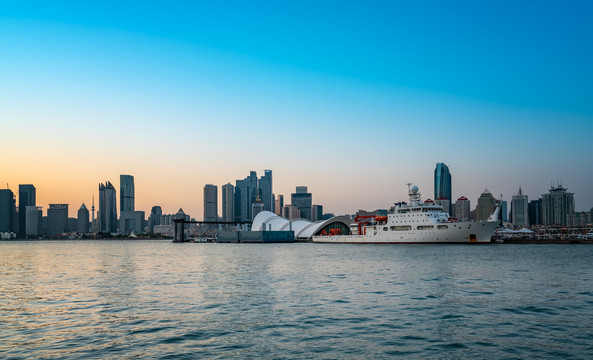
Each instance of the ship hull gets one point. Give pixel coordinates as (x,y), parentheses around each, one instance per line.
(455,233)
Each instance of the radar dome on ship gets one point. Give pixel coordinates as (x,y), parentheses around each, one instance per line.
(414,189)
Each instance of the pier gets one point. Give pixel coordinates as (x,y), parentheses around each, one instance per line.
(180,227)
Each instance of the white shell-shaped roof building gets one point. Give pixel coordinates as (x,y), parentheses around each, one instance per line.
(303,229)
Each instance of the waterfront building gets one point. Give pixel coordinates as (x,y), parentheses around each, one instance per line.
(33,220)
(82,226)
(442,184)
(245,194)
(445,203)
(57,219)
(126,193)
(7,211)
(257,207)
(556,205)
(462,208)
(317,213)
(535,212)
(107,221)
(279,204)
(27,197)
(210,202)
(486,205)
(228,203)
(520,209)
(303,200)
(578,219)
(266,191)
(291,212)
(132,221)
(155,217)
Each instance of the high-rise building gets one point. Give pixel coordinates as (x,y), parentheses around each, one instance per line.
(462,208)
(535,212)
(107,221)
(132,221)
(317,213)
(245,193)
(27,197)
(228,203)
(210,202)
(257,207)
(7,211)
(83,220)
(291,212)
(34,216)
(556,205)
(156,214)
(445,203)
(126,193)
(486,205)
(520,209)
(265,190)
(279,204)
(303,200)
(442,183)
(57,219)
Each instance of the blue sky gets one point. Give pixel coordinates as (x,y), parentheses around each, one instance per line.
(365,96)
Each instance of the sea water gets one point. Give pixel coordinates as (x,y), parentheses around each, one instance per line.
(157,299)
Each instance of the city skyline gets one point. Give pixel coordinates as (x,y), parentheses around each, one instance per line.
(186,95)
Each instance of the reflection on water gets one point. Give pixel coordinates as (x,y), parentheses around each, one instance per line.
(125,299)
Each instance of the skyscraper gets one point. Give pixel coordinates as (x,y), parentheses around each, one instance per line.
(27,197)
(317,213)
(265,190)
(228,203)
(303,200)
(57,219)
(245,193)
(486,205)
(442,183)
(210,202)
(520,209)
(34,216)
(83,220)
(7,210)
(279,204)
(126,193)
(535,212)
(556,205)
(107,208)
(256,207)
(462,208)
(155,217)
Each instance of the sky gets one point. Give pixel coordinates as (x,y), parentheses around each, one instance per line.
(352,99)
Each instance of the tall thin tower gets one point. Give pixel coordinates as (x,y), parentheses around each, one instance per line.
(93,225)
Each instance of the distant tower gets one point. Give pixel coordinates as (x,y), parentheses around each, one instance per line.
(265,190)
(257,207)
(93,222)
(27,197)
(126,193)
(210,202)
(107,208)
(228,203)
(83,220)
(520,209)
(442,183)
(303,200)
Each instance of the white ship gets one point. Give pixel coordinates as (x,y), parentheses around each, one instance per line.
(417,222)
